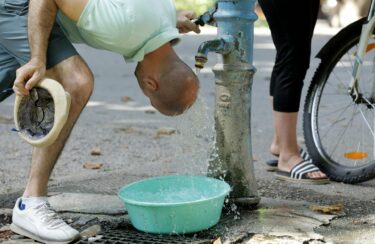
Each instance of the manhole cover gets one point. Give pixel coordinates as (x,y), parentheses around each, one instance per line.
(129,236)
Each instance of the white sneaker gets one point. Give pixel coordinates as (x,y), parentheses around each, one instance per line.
(41,223)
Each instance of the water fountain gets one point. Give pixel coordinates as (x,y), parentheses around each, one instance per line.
(235,24)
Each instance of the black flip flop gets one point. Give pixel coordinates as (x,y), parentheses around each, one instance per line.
(272,163)
(299,172)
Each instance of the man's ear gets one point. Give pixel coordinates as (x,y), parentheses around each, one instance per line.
(150,84)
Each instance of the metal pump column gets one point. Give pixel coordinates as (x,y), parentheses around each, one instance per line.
(234,76)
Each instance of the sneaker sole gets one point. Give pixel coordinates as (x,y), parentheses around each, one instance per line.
(21,231)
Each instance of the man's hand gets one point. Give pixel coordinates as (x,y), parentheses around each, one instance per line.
(41,16)
(28,76)
(184,22)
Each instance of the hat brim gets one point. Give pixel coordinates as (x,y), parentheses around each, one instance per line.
(62,102)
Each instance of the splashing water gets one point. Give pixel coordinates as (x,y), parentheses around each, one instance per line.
(195,138)
(197,71)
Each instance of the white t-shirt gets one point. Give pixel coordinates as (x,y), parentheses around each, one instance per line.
(131,28)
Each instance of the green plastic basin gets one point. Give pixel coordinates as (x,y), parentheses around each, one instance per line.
(174,204)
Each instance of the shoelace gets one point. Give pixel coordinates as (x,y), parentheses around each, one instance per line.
(48,216)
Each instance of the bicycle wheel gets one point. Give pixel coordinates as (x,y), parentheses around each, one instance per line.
(339,132)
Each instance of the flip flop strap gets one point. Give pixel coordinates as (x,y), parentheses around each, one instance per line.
(304,154)
(304,167)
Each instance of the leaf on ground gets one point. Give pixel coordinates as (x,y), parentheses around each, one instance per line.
(327,209)
(126,99)
(5,233)
(4,228)
(90,165)
(129,130)
(150,111)
(359,222)
(165,131)
(91,231)
(217,241)
(96,151)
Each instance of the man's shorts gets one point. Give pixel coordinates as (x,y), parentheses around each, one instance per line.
(14,45)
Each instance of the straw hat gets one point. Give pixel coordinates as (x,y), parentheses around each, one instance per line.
(40,116)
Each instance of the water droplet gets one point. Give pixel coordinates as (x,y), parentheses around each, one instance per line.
(195,138)
(197,71)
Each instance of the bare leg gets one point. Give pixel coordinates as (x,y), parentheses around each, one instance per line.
(286,132)
(77,79)
(275,145)
(275,150)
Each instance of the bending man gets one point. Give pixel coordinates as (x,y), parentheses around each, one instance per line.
(141,31)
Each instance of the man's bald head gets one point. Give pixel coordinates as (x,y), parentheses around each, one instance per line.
(170,84)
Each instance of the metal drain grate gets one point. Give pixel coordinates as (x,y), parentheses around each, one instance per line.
(132,236)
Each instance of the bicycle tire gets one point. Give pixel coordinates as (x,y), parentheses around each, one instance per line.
(336,164)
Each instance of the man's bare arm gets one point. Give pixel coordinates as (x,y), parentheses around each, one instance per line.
(42,14)
(72,8)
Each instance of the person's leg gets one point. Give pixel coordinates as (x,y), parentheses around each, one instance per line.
(295,60)
(63,65)
(274,148)
(32,215)
(293,43)
(286,128)
(270,10)
(77,79)
(286,134)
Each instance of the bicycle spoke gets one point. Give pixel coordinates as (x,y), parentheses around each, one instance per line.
(344,109)
(373,134)
(347,68)
(343,133)
(335,110)
(366,122)
(338,75)
(340,80)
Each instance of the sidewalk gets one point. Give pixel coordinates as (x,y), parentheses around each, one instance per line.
(274,220)
(135,143)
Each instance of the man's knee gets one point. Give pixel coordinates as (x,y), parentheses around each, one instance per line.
(76,78)
(82,88)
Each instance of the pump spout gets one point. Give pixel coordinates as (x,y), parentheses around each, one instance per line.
(223,45)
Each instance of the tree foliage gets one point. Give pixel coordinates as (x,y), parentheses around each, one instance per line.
(199,6)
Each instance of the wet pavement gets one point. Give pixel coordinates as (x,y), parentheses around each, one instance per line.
(135,142)
(274,219)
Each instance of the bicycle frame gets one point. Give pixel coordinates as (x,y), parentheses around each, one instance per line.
(366,33)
